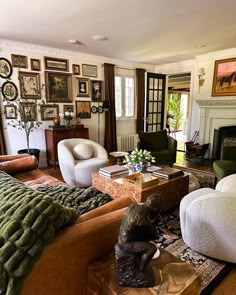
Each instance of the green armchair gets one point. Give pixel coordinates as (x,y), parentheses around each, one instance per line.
(162,146)
(227,164)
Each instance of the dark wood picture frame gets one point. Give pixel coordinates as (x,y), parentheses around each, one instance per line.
(5,68)
(96,90)
(58,64)
(83,109)
(58,87)
(29,106)
(10,111)
(68,108)
(49,111)
(35,64)
(19,61)
(89,70)
(76,69)
(83,87)
(9,90)
(29,85)
(224,78)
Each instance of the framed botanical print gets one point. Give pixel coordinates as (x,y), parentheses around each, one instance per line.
(35,64)
(10,111)
(29,85)
(83,109)
(58,87)
(5,68)
(89,70)
(19,61)
(9,90)
(49,111)
(75,69)
(83,87)
(96,90)
(59,64)
(28,111)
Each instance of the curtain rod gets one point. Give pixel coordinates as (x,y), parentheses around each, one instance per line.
(123,68)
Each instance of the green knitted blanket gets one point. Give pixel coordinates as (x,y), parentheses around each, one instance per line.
(28,222)
(80,199)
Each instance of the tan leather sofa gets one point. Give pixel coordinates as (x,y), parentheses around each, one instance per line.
(62,269)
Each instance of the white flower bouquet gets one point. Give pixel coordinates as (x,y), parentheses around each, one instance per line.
(139,156)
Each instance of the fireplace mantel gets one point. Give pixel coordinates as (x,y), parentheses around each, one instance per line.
(215,113)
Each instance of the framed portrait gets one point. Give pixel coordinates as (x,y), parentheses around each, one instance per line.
(68,108)
(9,90)
(49,111)
(29,85)
(224,79)
(58,87)
(83,87)
(5,68)
(83,109)
(76,69)
(19,61)
(58,64)
(10,111)
(96,90)
(35,64)
(89,71)
(28,110)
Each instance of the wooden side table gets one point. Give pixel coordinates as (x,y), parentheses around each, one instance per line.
(172,276)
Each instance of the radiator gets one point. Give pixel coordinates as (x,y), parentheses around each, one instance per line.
(127,143)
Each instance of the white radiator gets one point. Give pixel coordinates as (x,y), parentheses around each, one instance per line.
(127,143)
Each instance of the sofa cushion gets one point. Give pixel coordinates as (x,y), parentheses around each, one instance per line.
(154,140)
(83,151)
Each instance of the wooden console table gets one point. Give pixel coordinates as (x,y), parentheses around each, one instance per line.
(53,136)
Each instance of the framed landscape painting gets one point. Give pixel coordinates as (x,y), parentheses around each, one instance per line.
(49,111)
(224,79)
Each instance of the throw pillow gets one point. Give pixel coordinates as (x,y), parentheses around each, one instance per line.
(154,140)
(83,151)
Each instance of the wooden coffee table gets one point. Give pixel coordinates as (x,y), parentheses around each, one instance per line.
(170,190)
(172,276)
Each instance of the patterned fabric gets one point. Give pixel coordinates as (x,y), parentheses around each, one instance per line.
(213,271)
(28,222)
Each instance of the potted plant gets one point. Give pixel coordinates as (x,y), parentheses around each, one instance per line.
(175,110)
(27,109)
(139,159)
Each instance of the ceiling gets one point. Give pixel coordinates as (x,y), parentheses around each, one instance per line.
(150,31)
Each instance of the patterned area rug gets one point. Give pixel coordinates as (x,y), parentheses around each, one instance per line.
(213,271)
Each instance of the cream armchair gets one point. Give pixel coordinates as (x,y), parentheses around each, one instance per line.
(208,220)
(78,158)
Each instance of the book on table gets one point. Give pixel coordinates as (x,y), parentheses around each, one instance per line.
(168,172)
(113,170)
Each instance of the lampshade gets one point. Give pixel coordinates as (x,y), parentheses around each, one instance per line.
(200,71)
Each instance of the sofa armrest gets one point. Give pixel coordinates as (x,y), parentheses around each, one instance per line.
(13,164)
(63,265)
(172,144)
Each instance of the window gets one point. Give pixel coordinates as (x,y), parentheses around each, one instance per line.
(124,96)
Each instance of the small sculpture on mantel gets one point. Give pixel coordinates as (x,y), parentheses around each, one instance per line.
(135,249)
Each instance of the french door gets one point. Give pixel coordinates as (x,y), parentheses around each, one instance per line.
(154,102)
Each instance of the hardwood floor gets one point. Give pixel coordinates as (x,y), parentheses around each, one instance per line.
(228,285)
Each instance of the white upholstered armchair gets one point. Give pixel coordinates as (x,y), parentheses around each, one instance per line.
(208,220)
(78,158)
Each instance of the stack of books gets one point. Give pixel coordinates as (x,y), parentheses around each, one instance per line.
(113,170)
(168,172)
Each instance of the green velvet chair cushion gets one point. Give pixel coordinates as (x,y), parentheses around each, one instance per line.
(154,140)
(224,168)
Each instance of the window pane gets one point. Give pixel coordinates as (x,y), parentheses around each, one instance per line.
(118,96)
(129,97)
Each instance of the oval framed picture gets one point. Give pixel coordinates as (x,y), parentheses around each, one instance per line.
(94,109)
(5,68)
(100,109)
(9,90)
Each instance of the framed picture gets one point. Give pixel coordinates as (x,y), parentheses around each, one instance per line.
(49,111)
(83,109)
(29,85)
(68,108)
(96,90)
(58,64)
(224,79)
(19,61)
(28,110)
(89,70)
(35,64)
(9,90)
(58,87)
(75,69)
(10,111)
(5,68)
(83,87)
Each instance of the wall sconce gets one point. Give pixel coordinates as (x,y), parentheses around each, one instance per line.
(200,73)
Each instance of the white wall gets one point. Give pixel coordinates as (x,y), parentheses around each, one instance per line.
(15,139)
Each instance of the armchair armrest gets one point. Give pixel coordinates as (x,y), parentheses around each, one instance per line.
(13,164)
(172,144)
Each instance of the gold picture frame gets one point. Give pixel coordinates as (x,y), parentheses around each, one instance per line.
(224,78)
(58,64)
(68,108)
(10,111)
(28,108)
(19,61)
(89,70)
(76,69)
(49,111)
(83,87)
(35,64)
(83,109)
(29,85)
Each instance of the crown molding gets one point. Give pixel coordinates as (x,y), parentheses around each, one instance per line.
(177,67)
(15,45)
(214,55)
(216,103)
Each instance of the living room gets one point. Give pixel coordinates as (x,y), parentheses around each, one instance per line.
(206,110)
